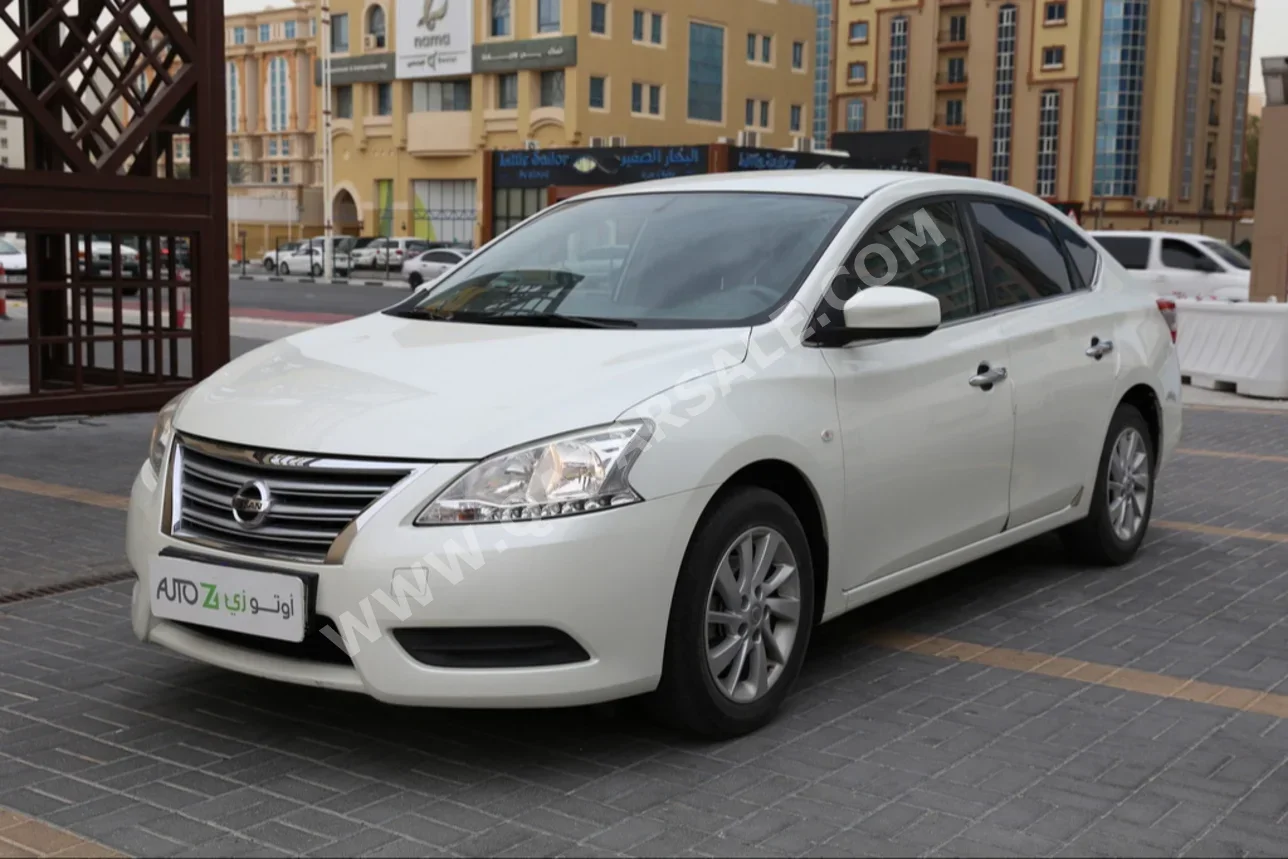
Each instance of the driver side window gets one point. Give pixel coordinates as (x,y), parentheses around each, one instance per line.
(918,247)
(1183,255)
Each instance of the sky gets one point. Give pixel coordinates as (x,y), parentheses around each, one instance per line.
(1269,38)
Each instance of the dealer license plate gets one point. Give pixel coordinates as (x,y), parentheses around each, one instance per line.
(270,605)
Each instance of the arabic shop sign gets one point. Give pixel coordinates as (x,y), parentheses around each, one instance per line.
(433,38)
(741,159)
(554,53)
(539,168)
(368,68)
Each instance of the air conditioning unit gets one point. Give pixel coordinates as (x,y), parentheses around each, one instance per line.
(617,141)
(725,140)
(749,138)
(802,144)
(598,141)
(531,144)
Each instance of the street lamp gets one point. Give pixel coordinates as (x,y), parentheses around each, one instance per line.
(328,244)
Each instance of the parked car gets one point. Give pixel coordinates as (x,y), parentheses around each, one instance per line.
(431,265)
(578,493)
(308,260)
(13,260)
(342,246)
(388,253)
(1180,264)
(271,258)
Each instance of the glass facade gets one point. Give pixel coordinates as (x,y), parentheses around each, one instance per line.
(277,97)
(1240,108)
(898,73)
(1122,87)
(706,72)
(822,69)
(1192,99)
(234,94)
(1048,143)
(1004,94)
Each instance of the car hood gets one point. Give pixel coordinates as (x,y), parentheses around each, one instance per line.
(383,387)
(14,262)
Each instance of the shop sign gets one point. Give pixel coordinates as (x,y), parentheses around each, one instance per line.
(526,54)
(434,38)
(367,68)
(539,168)
(741,158)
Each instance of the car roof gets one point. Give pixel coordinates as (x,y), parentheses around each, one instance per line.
(1148,234)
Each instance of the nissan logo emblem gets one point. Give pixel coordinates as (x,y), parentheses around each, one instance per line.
(251,504)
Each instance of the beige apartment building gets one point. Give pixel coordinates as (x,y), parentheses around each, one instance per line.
(1114,104)
(423,90)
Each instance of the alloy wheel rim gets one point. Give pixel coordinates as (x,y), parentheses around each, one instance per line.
(1128,484)
(752,615)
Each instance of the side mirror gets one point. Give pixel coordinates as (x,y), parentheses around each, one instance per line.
(888,312)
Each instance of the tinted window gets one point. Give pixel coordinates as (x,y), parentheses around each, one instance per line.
(919,248)
(1084,256)
(654,260)
(1022,260)
(441,256)
(1230,255)
(6,248)
(1131,251)
(1183,255)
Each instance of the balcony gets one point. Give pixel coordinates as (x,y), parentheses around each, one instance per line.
(1220,34)
(949,40)
(946,81)
(440,133)
(950,123)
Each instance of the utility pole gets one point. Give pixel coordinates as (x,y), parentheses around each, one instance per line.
(328,242)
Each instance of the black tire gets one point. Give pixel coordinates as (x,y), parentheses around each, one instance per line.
(1093,540)
(270,266)
(283,270)
(317,271)
(415,279)
(687,697)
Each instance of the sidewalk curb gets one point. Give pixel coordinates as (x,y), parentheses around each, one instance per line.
(269,278)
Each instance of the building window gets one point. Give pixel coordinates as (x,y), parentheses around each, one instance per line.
(854,115)
(1048,143)
(547,16)
(795,121)
(1240,108)
(1192,99)
(500,17)
(798,56)
(434,96)
(647,26)
(507,91)
(898,89)
(512,206)
(552,88)
(1122,88)
(637,98)
(234,99)
(239,36)
(288,29)
(751,113)
(957,28)
(857,72)
(313,26)
(757,113)
(955,113)
(376,28)
(344,102)
(1219,28)
(599,18)
(706,72)
(637,26)
(956,70)
(766,49)
(286,147)
(272,174)
(654,100)
(858,32)
(277,94)
(384,99)
(265,33)
(598,93)
(1057,12)
(764,114)
(1053,57)
(286,175)
(237,149)
(655,29)
(751,47)
(1004,94)
(339,34)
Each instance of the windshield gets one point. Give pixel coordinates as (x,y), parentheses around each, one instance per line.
(6,248)
(1229,254)
(663,260)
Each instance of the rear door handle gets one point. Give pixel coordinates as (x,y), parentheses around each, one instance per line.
(1100,348)
(987,377)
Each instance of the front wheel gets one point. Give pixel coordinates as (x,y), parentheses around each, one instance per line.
(1124,494)
(740,618)
(283,269)
(270,266)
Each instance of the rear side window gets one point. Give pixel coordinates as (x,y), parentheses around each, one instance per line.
(441,256)
(1182,255)
(1021,258)
(1084,256)
(1131,251)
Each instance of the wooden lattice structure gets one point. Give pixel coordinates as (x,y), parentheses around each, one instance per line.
(125,297)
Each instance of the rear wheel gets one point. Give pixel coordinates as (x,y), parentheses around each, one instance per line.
(317,271)
(740,618)
(1123,498)
(270,266)
(283,269)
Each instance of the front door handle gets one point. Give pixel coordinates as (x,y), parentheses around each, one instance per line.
(986,377)
(1099,348)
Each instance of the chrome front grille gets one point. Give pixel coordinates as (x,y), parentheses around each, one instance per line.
(311,501)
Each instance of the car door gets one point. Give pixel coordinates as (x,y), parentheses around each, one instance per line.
(438,262)
(1058,331)
(1186,269)
(926,423)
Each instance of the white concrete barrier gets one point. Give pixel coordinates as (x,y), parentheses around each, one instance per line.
(1240,347)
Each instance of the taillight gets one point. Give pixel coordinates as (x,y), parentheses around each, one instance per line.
(1167,307)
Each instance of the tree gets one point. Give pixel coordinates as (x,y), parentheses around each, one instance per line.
(1251,147)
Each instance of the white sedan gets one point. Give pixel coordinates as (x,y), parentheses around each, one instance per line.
(545,482)
(13,262)
(431,265)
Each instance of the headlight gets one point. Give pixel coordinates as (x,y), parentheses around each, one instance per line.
(163,432)
(572,474)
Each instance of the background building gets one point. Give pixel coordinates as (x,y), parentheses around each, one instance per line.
(11,142)
(416,106)
(1105,102)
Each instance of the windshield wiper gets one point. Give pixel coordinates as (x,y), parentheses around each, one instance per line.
(536,320)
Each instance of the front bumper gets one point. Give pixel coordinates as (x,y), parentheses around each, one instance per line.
(606,579)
